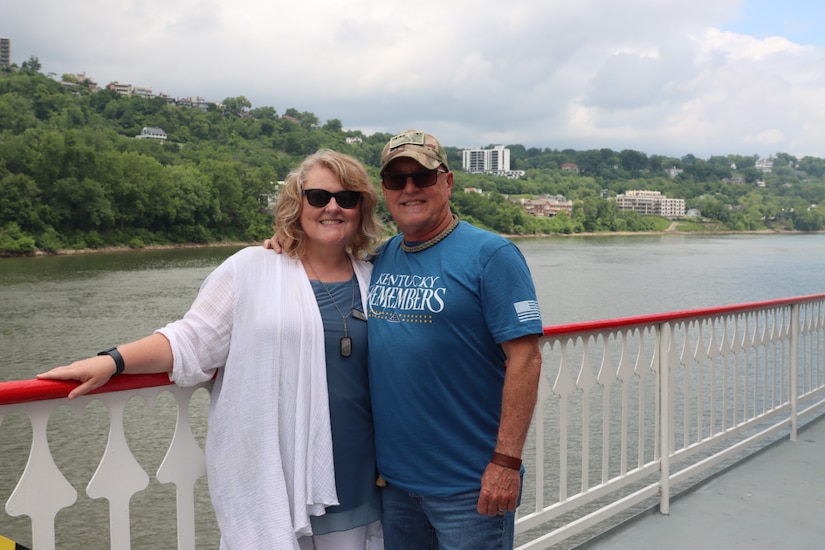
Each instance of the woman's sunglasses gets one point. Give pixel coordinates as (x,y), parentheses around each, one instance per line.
(422,178)
(319,198)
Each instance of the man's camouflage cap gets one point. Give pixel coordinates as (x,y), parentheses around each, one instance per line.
(417,145)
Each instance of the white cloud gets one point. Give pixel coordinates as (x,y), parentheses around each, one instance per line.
(737,47)
(659,77)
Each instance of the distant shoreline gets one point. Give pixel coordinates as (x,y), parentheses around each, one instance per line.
(669,231)
(116,249)
(666,232)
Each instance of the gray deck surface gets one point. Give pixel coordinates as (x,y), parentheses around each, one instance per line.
(774,500)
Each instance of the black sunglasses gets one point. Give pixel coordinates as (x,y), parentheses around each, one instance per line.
(319,198)
(422,178)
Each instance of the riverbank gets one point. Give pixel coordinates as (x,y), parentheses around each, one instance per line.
(114,249)
(668,231)
(671,230)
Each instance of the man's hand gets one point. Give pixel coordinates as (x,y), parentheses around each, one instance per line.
(499,490)
(500,485)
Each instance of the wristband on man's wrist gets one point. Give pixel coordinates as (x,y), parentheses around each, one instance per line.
(506,461)
(115,354)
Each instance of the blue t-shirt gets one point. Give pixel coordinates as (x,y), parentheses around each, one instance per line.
(437,318)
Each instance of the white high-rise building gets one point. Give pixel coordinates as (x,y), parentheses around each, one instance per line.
(496,159)
(473,160)
(5,52)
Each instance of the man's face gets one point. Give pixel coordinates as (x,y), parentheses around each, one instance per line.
(418,211)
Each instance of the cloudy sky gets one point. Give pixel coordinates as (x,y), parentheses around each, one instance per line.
(667,77)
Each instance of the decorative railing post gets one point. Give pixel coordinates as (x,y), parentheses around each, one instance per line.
(42,491)
(118,476)
(666,414)
(183,465)
(793,382)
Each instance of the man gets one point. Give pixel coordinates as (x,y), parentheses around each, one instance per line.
(454,362)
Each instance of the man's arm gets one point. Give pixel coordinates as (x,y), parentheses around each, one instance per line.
(500,484)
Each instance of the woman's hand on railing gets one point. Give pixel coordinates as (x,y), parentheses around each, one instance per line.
(91,373)
(151,354)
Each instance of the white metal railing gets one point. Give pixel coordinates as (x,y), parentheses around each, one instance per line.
(630,411)
(43,490)
(634,409)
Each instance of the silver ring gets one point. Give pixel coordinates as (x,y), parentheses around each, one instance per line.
(501,511)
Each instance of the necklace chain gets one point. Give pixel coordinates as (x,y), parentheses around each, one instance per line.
(435,240)
(346,341)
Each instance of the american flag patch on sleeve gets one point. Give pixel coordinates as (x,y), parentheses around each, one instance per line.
(528,310)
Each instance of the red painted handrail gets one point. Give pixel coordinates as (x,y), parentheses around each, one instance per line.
(590,326)
(24,391)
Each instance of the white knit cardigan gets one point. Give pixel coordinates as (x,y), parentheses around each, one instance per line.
(269,444)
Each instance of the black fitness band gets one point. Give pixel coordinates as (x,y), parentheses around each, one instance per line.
(114,354)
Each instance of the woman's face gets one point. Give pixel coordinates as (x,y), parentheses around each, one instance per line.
(328,226)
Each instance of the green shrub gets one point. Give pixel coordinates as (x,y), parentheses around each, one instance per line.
(14,242)
(50,241)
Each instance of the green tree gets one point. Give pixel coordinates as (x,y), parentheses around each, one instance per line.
(16,113)
(20,202)
(633,160)
(15,241)
(333,125)
(81,205)
(236,106)
(31,65)
(809,219)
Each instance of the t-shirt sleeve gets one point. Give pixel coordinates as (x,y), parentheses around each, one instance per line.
(510,306)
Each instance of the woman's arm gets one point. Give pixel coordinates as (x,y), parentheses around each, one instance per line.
(148,355)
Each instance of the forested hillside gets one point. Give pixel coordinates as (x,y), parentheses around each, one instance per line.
(73,174)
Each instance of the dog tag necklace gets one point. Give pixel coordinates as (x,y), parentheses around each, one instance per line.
(346,341)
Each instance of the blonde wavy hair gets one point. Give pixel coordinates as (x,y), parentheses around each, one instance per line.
(353,177)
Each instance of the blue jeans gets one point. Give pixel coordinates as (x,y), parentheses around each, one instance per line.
(415,522)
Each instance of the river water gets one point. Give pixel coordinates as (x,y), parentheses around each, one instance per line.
(57,309)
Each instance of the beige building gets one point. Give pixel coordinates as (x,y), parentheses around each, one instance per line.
(547,207)
(122,89)
(651,202)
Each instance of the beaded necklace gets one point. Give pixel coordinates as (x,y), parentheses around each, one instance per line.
(435,240)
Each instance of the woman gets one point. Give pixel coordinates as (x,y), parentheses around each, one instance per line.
(286,334)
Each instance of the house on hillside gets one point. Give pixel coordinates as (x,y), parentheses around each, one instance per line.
(765,165)
(152,133)
(547,207)
(673,171)
(122,89)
